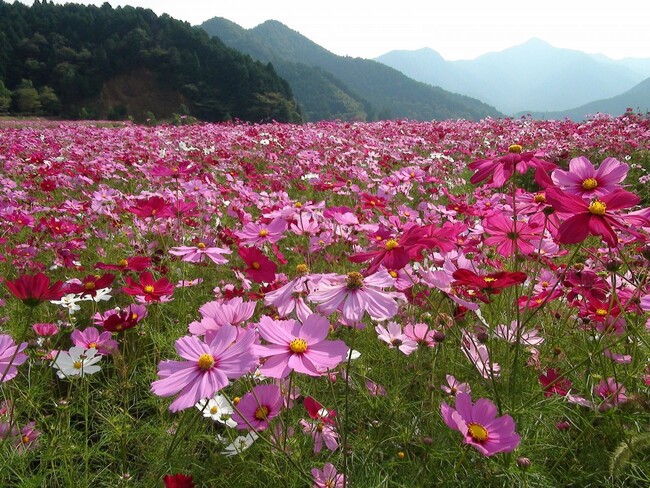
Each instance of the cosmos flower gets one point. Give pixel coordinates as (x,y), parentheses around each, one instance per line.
(135,263)
(554,383)
(480,426)
(295,347)
(35,289)
(597,218)
(259,268)
(206,368)
(509,235)
(198,253)
(584,180)
(327,477)
(78,361)
(217,408)
(90,338)
(11,356)
(149,289)
(90,285)
(395,338)
(258,407)
(355,294)
(498,170)
(453,386)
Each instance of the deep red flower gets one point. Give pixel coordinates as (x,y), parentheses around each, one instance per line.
(498,170)
(259,268)
(35,289)
(136,263)
(150,289)
(156,207)
(178,481)
(554,383)
(90,284)
(591,218)
(394,254)
(373,202)
(490,284)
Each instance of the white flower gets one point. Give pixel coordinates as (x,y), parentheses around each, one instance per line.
(239,445)
(218,409)
(102,295)
(69,301)
(76,362)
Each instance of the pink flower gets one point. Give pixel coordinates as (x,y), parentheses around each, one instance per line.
(612,393)
(480,425)
(478,354)
(207,366)
(454,386)
(394,337)
(584,180)
(217,314)
(256,234)
(90,338)
(300,348)
(591,218)
(198,253)
(355,294)
(327,477)
(420,333)
(258,407)
(45,330)
(11,356)
(28,438)
(498,170)
(509,235)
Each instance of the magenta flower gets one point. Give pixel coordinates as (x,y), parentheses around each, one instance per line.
(355,294)
(11,356)
(321,433)
(258,407)
(149,290)
(508,235)
(584,180)
(300,348)
(207,366)
(591,218)
(612,393)
(455,387)
(327,477)
(480,425)
(90,338)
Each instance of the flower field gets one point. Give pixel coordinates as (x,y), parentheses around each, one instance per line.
(389,304)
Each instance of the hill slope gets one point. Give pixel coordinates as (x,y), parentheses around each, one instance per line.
(389,92)
(127,61)
(637,99)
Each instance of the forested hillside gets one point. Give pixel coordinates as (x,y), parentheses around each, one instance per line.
(85,61)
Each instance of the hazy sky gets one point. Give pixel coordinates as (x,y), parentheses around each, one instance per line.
(457,29)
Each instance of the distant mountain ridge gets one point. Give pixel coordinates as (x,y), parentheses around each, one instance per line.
(365,88)
(533,76)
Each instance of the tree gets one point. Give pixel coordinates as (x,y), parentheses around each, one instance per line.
(5,98)
(26,98)
(49,101)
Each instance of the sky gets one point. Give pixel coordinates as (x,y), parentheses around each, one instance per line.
(457,29)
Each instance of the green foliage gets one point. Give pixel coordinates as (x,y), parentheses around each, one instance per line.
(26,99)
(5,97)
(84,54)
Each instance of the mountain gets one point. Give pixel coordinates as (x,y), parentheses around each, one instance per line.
(637,99)
(381,91)
(73,60)
(531,76)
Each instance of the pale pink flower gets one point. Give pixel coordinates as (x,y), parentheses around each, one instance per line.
(394,337)
(198,253)
(420,333)
(321,433)
(355,294)
(478,354)
(11,356)
(526,337)
(454,386)
(254,234)
(90,338)
(328,477)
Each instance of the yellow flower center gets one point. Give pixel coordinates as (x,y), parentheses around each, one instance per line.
(214,410)
(236,400)
(261,413)
(477,432)
(201,245)
(391,244)
(134,316)
(148,289)
(89,285)
(302,269)
(597,207)
(355,280)
(601,312)
(515,148)
(206,361)
(255,265)
(539,198)
(298,205)
(298,346)
(92,345)
(589,184)
(77,365)
(489,279)
(25,439)
(393,274)
(123,263)
(264,233)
